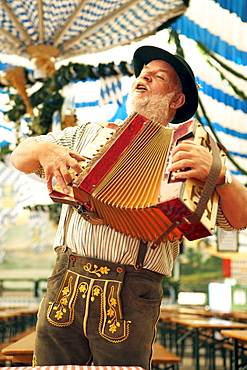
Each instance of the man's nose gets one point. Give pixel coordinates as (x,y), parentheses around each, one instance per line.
(146,76)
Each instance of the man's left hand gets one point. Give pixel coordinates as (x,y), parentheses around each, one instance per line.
(190,160)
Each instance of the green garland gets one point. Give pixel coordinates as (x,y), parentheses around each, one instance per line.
(48,98)
(208,55)
(217,138)
(208,52)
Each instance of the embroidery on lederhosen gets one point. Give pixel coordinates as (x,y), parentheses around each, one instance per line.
(112,326)
(61,312)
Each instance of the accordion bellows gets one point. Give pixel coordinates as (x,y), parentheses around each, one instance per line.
(127,185)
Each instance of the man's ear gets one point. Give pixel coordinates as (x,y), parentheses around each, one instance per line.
(178,101)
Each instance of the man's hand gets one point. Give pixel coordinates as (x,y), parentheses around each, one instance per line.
(190,160)
(56,161)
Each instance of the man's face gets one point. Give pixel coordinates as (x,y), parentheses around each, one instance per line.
(157,77)
(154,91)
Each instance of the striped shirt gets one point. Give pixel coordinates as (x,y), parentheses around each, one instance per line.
(101,241)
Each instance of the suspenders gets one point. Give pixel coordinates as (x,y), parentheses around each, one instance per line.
(142,247)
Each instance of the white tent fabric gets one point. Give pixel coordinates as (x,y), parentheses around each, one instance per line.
(220,26)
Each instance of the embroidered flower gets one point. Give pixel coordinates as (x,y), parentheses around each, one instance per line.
(110,313)
(96,291)
(83,288)
(112,328)
(98,271)
(113,302)
(65,291)
(59,314)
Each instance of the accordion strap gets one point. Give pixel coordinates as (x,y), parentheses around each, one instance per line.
(210,183)
(206,194)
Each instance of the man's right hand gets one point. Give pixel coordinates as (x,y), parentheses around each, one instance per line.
(55,160)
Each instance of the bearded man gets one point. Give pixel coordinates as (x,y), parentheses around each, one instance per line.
(100,307)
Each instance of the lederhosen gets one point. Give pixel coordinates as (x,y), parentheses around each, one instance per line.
(99,312)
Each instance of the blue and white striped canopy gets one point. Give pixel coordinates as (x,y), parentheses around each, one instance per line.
(80,26)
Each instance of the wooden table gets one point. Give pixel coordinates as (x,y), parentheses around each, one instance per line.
(240,315)
(238,336)
(196,311)
(166,327)
(195,327)
(22,350)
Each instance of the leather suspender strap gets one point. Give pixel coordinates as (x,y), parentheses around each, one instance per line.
(142,247)
(66,226)
(141,255)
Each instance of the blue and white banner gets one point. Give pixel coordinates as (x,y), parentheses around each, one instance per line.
(111,90)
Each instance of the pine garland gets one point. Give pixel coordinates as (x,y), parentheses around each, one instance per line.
(217,138)
(204,50)
(207,51)
(48,98)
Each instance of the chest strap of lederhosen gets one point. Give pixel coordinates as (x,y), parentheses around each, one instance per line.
(141,255)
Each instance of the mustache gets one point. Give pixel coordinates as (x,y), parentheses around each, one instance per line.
(140,84)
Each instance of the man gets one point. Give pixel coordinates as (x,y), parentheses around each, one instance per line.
(98,307)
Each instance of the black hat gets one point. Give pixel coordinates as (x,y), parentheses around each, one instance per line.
(145,54)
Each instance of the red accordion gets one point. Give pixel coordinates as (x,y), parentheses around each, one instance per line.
(126,184)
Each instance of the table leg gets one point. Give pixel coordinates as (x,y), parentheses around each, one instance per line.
(197,360)
(235,353)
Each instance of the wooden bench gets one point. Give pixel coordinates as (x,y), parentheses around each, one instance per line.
(5,360)
(161,356)
(21,335)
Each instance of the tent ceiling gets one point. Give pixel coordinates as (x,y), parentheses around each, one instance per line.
(71,28)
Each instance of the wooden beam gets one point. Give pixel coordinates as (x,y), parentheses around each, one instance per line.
(14,41)
(68,23)
(99,24)
(41,21)
(25,36)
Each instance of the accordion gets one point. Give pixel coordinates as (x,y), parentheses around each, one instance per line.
(125,183)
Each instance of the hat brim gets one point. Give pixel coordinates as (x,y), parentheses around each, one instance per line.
(145,54)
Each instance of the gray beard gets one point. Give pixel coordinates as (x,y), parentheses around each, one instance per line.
(156,108)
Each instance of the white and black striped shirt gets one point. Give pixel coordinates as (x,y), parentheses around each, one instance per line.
(100,241)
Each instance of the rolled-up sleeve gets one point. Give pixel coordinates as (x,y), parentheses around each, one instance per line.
(67,138)
(223,223)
